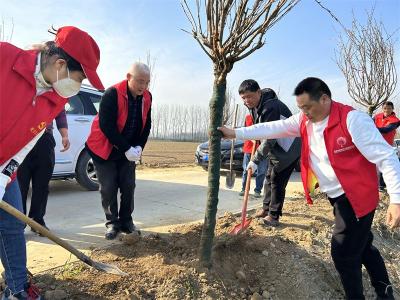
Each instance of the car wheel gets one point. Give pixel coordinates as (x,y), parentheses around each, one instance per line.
(85,173)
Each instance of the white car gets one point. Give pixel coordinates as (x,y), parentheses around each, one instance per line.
(76,162)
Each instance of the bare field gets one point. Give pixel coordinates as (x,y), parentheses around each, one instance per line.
(159,153)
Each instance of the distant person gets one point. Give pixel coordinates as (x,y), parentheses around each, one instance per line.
(116,141)
(34,87)
(38,167)
(387,123)
(262,164)
(282,154)
(341,148)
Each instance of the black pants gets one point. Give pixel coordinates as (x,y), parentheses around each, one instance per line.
(114,175)
(352,247)
(37,166)
(382,183)
(275,188)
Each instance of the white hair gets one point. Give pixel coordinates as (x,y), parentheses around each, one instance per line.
(139,67)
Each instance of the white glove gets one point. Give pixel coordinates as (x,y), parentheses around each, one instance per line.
(4,180)
(132,154)
(139,150)
(252,166)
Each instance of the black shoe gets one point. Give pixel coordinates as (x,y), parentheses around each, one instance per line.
(111,232)
(129,228)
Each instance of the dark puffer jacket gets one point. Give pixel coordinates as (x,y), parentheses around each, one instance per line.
(272,109)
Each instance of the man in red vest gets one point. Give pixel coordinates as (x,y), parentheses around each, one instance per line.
(116,141)
(342,160)
(387,123)
(34,87)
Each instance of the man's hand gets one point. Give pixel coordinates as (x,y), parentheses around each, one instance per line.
(227,132)
(252,166)
(132,154)
(4,180)
(393,215)
(65,143)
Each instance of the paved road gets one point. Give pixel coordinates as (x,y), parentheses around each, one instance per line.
(162,197)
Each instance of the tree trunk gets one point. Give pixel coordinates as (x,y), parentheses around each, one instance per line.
(214,164)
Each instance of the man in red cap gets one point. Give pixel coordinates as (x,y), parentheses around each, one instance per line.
(34,87)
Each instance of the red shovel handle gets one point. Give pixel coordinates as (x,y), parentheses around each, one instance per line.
(245,222)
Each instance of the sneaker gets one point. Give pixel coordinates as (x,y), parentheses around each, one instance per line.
(257,195)
(241,193)
(129,228)
(31,292)
(261,213)
(111,232)
(270,221)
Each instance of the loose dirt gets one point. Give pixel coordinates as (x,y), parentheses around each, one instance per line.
(291,261)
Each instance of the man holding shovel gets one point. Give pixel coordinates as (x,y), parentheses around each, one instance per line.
(34,87)
(282,154)
(341,149)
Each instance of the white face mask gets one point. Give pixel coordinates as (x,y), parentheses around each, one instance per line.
(66,87)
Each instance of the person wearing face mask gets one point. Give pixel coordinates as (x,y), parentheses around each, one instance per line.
(340,150)
(34,87)
(118,135)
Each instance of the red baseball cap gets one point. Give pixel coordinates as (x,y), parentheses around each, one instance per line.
(82,47)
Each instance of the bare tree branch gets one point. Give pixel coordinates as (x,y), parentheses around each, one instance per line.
(233,29)
(3,36)
(366,59)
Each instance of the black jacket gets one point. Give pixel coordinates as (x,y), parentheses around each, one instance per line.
(269,109)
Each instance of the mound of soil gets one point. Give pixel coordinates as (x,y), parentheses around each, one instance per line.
(291,261)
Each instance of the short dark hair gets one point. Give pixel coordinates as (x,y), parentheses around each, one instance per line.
(51,49)
(389,103)
(249,85)
(313,86)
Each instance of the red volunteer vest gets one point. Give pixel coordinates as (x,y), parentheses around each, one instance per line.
(22,114)
(382,121)
(248,144)
(357,176)
(97,141)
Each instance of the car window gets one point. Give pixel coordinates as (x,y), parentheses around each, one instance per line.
(91,102)
(74,106)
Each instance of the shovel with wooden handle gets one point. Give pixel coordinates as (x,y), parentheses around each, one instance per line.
(43,231)
(242,226)
(230,177)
